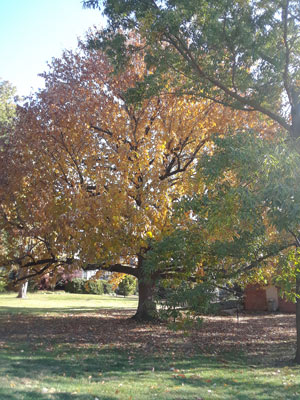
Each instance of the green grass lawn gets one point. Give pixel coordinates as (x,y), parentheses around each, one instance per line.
(83,347)
(61,302)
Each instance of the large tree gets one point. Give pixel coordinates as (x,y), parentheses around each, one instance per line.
(242,54)
(95,177)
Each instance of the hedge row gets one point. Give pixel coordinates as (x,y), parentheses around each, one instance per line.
(85,286)
(3,285)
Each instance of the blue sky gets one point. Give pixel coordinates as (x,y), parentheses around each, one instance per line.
(34,31)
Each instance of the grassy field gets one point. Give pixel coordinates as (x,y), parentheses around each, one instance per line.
(40,303)
(84,347)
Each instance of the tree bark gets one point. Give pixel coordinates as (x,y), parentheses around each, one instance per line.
(146,310)
(296,134)
(23,290)
(296,120)
(297,358)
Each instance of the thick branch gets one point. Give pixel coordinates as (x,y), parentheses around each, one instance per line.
(168,172)
(121,268)
(96,128)
(34,274)
(18,261)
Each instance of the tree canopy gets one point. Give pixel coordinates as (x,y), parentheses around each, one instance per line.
(244,54)
(244,217)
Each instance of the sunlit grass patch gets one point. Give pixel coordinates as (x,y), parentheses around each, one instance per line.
(61,302)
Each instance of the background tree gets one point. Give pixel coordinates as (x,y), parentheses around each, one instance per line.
(96,177)
(7,109)
(8,113)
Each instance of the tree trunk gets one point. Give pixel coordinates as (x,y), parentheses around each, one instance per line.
(295,112)
(23,290)
(296,119)
(297,358)
(146,310)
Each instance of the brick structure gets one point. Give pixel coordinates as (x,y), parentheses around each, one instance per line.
(259,298)
(255,298)
(286,306)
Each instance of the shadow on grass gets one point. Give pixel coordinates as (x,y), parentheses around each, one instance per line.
(206,374)
(36,395)
(265,340)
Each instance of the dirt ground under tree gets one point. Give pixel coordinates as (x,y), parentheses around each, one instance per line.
(265,338)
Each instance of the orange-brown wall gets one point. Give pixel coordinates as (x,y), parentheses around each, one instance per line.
(255,298)
(286,306)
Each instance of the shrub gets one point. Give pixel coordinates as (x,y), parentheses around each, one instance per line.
(61,285)
(108,287)
(33,286)
(75,286)
(127,286)
(84,286)
(3,285)
(94,287)
(184,303)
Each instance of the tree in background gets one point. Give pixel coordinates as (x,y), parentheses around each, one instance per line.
(7,109)
(95,177)
(8,113)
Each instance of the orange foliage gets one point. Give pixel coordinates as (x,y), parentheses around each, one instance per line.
(90,179)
